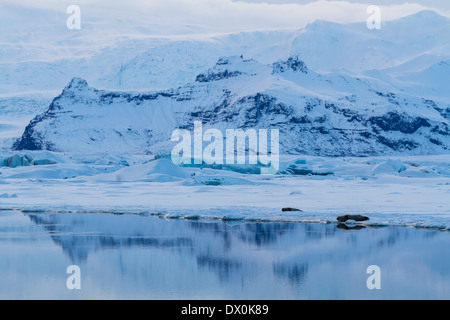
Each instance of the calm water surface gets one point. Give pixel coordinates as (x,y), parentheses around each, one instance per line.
(142,257)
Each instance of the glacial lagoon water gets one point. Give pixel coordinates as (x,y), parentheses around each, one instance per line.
(146,257)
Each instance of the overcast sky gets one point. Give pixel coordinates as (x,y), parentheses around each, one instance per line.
(439,4)
(234,15)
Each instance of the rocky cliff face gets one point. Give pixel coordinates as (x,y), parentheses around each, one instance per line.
(317,114)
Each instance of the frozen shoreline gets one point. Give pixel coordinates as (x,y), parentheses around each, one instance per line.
(391,191)
(308,218)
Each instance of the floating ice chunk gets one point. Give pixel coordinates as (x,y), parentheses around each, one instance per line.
(58,171)
(389,167)
(223,181)
(16,161)
(162,170)
(43,162)
(6,196)
(30,159)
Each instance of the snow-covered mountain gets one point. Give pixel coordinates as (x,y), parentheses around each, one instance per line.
(150,62)
(327,46)
(317,114)
(363,92)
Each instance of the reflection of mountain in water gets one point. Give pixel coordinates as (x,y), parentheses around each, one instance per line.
(294,273)
(78,246)
(223,266)
(285,251)
(259,234)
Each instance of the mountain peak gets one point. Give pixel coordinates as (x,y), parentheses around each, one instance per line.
(430,16)
(76,84)
(228,67)
(427,14)
(229,60)
(318,25)
(292,64)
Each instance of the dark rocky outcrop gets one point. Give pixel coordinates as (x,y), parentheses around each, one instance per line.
(292,64)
